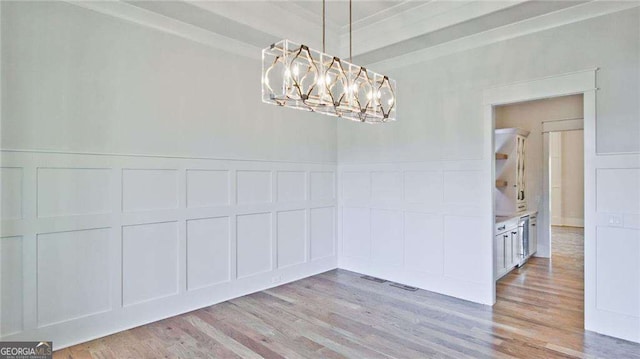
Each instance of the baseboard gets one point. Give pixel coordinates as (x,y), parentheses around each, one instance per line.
(572,222)
(81,330)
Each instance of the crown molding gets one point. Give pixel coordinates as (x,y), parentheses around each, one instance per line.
(166,24)
(555,19)
(405,6)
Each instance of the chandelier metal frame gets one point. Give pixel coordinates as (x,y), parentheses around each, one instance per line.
(296,76)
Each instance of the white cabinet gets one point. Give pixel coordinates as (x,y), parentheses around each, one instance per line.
(533,234)
(510,239)
(501,264)
(507,247)
(510,193)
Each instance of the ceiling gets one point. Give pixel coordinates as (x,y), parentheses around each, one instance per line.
(337,11)
(381,29)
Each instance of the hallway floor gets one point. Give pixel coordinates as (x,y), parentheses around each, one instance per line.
(337,314)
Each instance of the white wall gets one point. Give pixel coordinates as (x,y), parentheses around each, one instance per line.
(128,89)
(440,129)
(141,177)
(555,178)
(566,163)
(573,178)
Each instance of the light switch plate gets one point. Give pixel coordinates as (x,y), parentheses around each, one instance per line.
(615,220)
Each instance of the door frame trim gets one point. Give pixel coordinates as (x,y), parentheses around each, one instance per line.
(579,82)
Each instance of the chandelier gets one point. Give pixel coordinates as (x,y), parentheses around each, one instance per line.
(296,76)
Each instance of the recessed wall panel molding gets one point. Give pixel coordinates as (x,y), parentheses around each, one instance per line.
(462,187)
(253,187)
(356,186)
(10,193)
(386,186)
(322,186)
(618,190)
(292,186)
(618,275)
(73,191)
(207,188)
(11,280)
(74,275)
(208,245)
(356,232)
(292,237)
(253,244)
(423,243)
(149,261)
(149,189)
(387,245)
(462,248)
(423,187)
(322,232)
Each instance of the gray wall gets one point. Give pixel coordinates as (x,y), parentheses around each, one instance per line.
(77,80)
(439,101)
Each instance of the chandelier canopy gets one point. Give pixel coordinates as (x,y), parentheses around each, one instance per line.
(293,75)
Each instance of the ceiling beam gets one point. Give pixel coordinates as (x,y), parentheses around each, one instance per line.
(416,21)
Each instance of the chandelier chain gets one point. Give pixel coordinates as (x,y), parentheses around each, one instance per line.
(323,26)
(350,36)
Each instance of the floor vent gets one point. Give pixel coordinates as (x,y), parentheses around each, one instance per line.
(404,287)
(373,279)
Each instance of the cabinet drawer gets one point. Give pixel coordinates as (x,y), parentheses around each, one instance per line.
(521,207)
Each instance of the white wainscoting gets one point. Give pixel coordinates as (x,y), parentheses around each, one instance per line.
(614,246)
(416,223)
(95,244)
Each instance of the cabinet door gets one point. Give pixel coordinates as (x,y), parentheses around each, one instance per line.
(508,250)
(533,236)
(500,254)
(515,245)
(520,169)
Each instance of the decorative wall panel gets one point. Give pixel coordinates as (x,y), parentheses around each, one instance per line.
(208,252)
(74,278)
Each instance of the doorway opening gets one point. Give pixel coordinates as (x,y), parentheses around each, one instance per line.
(566,195)
(539,194)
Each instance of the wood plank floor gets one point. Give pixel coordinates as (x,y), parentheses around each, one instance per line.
(337,314)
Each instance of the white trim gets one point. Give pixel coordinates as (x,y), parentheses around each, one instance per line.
(553,86)
(72,329)
(620,325)
(166,24)
(12,150)
(571,222)
(544,22)
(563,125)
(559,85)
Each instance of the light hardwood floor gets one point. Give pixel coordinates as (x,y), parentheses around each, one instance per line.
(539,314)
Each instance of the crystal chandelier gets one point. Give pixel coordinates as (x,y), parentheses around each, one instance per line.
(295,76)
